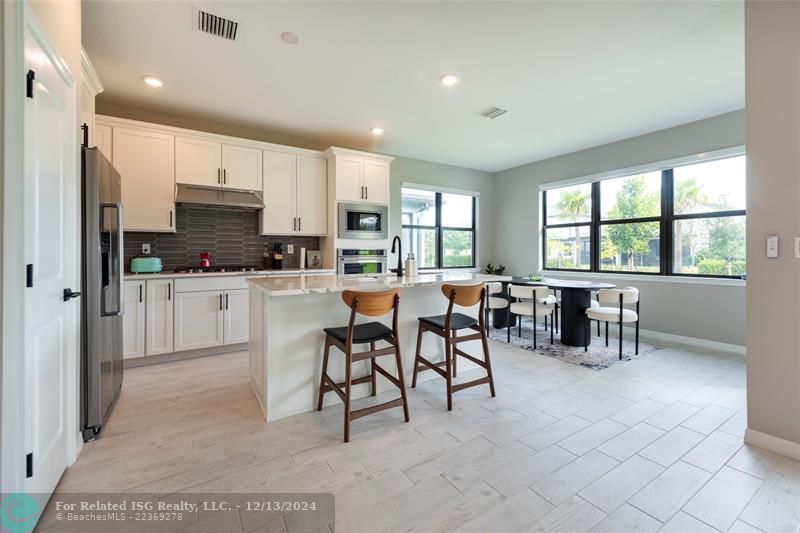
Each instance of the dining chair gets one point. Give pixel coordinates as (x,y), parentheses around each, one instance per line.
(529,303)
(618,314)
(494,302)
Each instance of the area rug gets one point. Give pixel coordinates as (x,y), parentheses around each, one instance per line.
(599,357)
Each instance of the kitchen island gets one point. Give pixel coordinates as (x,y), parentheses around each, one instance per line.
(287,316)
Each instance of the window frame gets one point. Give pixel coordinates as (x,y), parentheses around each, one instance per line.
(666,225)
(439,229)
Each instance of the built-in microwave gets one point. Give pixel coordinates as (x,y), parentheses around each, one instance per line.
(363,221)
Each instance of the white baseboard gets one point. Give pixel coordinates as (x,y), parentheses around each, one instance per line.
(773,444)
(692,341)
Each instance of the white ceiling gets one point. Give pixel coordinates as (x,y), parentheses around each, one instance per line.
(572,74)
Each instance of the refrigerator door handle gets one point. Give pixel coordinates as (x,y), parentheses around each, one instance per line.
(114,263)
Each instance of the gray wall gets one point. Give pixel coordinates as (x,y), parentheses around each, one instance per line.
(710,312)
(418,171)
(772,33)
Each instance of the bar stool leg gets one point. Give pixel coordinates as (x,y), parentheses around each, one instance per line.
(373,375)
(455,356)
(324,372)
(448,354)
(347,391)
(416,357)
(486,358)
(401,377)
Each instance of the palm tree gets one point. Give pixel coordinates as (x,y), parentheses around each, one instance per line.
(573,205)
(688,194)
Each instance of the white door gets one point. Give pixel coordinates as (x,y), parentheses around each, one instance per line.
(198,320)
(278,216)
(349,185)
(241,167)
(198,161)
(50,233)
(237,316)
(160,302)
(133,319)
(312,196)
(376,181)
(102,139)
(145,161)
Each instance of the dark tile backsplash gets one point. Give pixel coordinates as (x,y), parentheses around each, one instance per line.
(231,236)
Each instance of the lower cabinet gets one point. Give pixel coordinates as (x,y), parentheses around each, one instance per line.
(133,319)
(160,302)
(211,318)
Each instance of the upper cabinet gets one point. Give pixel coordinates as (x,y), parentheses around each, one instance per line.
(145,161)
(295,195)
(103,141)
(359,176)
(204,162)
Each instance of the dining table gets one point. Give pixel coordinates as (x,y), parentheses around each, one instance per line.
(575,300)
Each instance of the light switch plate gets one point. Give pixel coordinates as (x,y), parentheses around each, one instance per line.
(146,248)
(290,249)
(797,247)
(772,246)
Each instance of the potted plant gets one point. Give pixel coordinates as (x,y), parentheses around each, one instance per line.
(495,270)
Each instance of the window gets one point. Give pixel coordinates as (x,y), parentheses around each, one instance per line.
(688,220)
(439,228)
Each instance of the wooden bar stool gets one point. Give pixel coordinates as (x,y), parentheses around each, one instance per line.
(446,327)
(371,304)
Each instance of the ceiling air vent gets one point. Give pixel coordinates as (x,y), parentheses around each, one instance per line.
(493,112)
(221,27)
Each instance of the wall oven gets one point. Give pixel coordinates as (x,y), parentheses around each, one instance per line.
(356,261)
(363,221)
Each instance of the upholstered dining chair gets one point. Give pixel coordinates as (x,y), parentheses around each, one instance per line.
(530,303)
(617,314)
(494,302)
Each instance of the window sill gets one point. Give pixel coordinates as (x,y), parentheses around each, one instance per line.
(720,282)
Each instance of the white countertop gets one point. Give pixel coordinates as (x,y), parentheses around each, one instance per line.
(291,286)
(254,273)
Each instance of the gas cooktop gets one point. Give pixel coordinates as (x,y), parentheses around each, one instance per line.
(216,268)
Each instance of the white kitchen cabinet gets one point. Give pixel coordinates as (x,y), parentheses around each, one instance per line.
(198,161)
(236,316)
(205,162)
(358,176)
(241,167)
(145,161)
(160,303)
(103,141)
(295,195)
(376,181)
(198,320)
(133,319)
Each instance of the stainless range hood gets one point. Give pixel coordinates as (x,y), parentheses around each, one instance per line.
(197,195)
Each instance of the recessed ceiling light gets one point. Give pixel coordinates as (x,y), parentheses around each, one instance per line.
(290,37)
(448,80)
(376,130)
(152,81)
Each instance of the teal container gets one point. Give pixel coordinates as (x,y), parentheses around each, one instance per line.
(145,265)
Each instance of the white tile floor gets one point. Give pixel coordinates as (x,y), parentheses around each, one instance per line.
(653,444)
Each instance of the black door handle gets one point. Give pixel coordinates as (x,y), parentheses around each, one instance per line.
(69,294)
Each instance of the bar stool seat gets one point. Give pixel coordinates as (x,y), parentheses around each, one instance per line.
(457,321)
(362,333)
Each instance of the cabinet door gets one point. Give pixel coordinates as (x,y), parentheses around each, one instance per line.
(237,316)
(160,302)
(278,215)
(133,320)
(349,171)
(312,196)
(198,320)
(102,139)
(241,167)
(198,161)
(146,163)
(376,181)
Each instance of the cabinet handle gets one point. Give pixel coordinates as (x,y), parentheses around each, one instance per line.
(170,218)
(169,291)
(220,302)
(226,301)
(362,192)
(299,223)
(224,176)
(219,176)
(366,193)
(140,293)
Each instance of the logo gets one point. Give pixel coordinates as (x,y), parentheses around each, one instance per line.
(20,512)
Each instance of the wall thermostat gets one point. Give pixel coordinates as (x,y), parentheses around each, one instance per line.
(772,246)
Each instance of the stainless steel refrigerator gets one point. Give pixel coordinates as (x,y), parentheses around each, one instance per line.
(102,272)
